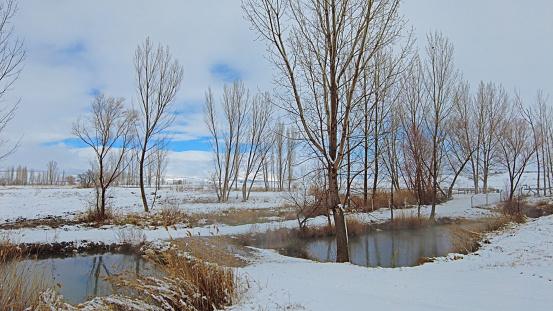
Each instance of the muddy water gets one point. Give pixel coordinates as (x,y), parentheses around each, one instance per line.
(81,276)
(388,248)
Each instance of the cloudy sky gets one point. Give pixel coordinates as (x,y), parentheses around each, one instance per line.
(76,49)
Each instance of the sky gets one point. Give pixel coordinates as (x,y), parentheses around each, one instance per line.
(76,49)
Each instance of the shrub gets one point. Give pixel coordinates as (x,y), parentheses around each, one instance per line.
(513,208)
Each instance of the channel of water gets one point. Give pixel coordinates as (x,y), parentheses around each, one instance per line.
(81,275)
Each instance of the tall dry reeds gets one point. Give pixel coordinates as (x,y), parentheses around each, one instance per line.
(466,237)
(21,281)
(180,282)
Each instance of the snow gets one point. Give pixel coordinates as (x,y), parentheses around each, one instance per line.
(513,272)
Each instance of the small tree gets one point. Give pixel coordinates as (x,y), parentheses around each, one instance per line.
(86,179)
(515,149)
(108,131)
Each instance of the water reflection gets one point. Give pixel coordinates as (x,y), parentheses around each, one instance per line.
(387,248)
(81,276)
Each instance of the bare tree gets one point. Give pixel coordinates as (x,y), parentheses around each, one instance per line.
(320,50)
(491,105)
(539,121)
(515,149)
(12,54)
(440,79)
(415,146)
(228,134)
(158,79)
(109,132)
(258,141)
(460,144)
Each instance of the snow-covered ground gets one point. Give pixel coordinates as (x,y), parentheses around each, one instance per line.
(513,272)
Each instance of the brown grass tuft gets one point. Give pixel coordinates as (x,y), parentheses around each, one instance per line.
(22,282)
(404,220)
(466,237)
(180,282)
(402,198)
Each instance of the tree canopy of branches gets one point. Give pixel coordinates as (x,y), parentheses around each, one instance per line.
(109,131)
(228,134)
(12,55)
(320,50)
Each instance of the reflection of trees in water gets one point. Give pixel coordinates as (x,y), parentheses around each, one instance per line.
(98,270)
(94,274)
(389,248)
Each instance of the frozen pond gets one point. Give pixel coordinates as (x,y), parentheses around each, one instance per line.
(390,248)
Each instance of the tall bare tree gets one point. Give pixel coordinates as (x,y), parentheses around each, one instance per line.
(460,144)
(109,132)
(320,50)
(491,107)
(258,140)
(158,79)
(440,79)
(228,135)
(12,55)
(415,147)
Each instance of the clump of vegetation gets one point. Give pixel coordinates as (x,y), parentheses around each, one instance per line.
(22,281)
(402,198)
(180,282)
(539,209)
(513,209)
(408,221)
(466,237)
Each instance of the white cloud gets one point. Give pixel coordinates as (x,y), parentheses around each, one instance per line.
(75,47)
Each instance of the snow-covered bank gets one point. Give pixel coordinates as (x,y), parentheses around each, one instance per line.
(513,272)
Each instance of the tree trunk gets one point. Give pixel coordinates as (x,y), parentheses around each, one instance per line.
(141,180)
(103,203)
(342,253)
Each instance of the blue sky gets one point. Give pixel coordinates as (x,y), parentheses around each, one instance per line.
(77,49)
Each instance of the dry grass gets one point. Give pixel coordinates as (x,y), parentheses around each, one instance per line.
(514,209)
(466,237)
(404,220)
(180,282)
(168,214)
(236,216)
(539,209)
(402,198)
(22,282)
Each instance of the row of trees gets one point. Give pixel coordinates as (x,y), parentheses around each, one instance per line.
(133,138)
(371,108)
(22,176)
(248,142)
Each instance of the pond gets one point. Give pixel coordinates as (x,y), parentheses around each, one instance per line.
(390,248)
(81,276)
